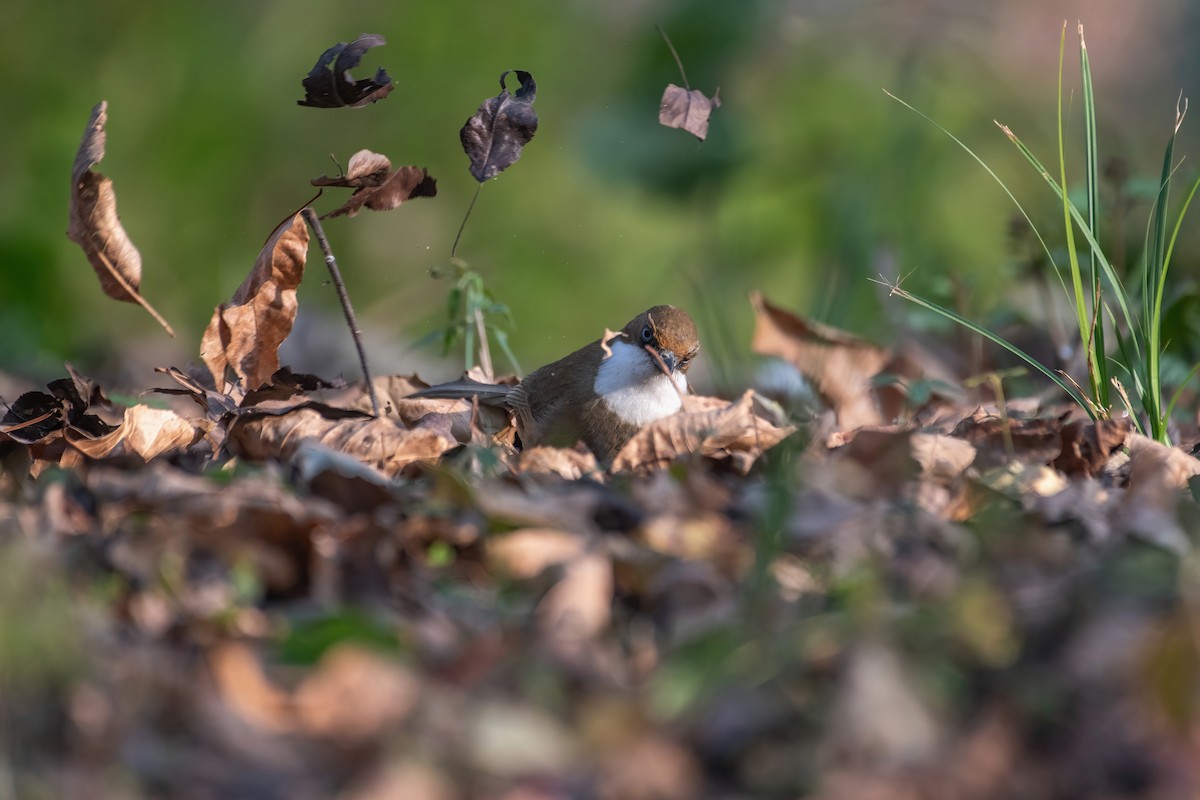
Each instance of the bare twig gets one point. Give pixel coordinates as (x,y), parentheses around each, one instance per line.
(310,217)
(674,53)
(466,217)
(485,353)
(665,371)
(134,293)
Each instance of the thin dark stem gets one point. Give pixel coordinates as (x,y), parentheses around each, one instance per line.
(466,217)
(314,222)
(678,62)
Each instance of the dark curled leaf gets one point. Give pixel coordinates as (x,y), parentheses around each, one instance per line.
(376,186)
(329,84)
(504,124)
(687,110)
(33,417)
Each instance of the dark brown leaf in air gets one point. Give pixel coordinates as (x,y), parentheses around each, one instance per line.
(494,136)
(95,226)
(329,84)
(688,110)
(376,186)
(246,332)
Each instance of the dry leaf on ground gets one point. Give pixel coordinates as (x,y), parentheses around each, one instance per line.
(245,333)
(380,443)
(706,426)
(144,431)
(840,365)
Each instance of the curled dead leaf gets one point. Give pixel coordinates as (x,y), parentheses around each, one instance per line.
(330,85)
(146,432)
(494,136)
(376,186)
(245,333)
(95,226)
(840,365)
(708,426)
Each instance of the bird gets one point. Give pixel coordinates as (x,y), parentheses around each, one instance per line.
(604,392)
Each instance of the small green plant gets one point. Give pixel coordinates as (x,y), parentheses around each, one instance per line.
(1137,321)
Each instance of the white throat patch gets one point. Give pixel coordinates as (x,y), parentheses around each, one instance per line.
(635,388)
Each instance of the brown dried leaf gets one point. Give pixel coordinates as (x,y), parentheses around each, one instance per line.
(567,464)
(580,604)
(688,110)
(840,365)
(145,431)
(95,226)
(246,332)
(376,186)
(709,426)
(379,443)
(329,84)
(356,694)
(1087,446)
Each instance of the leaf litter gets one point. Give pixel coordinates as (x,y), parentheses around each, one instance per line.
(708,612)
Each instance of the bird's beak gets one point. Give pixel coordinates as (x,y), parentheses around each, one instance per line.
(669,359)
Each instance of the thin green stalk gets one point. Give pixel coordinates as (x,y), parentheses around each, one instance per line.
(1072,254)
(1100,380)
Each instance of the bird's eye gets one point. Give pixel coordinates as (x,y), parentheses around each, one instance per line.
(647,334)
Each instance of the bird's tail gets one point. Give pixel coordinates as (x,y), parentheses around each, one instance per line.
(489,394)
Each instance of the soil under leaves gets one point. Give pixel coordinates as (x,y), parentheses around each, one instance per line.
(271,594)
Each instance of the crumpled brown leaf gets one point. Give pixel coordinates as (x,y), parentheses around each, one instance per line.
(494,136)
(145,431)
(94,224)
(375,184)
(687,110)
(708,426)
(329,86)
(840,365)
(377,442)
(246,332)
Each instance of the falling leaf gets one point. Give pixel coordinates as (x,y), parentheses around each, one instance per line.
(95,226)
(245,333)
(688,110)
(504,124)
(376,186)
(840,365)
(739,431)
(330,85)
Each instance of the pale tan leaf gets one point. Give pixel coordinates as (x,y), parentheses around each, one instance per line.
(379,443)
(525,553)
(686,110)
(245,333)
(707,426)
(580,604)
(840,365)
(354,693)
(145,431)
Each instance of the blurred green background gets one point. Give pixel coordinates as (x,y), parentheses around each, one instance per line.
(811,181)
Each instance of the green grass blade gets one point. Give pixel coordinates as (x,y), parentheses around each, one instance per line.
(1160,258)
(1106,269)
(988,170)
(1081,315)
(1092,175)
(999,340)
